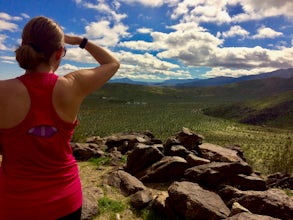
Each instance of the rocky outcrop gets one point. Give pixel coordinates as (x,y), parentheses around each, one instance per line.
(206,181)
(273,202)
(190,201)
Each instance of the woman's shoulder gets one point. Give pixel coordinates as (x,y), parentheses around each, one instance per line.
(10,86)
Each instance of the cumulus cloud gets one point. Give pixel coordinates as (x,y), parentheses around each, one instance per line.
(254,10)
(66,68)
(230,72)
(266,32)
(202,11)
(236,31)
(106,34)
(135,66)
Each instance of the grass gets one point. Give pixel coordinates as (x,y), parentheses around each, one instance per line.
(107,205)
(164,111)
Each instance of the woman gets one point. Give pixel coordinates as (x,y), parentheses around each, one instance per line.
(39,176)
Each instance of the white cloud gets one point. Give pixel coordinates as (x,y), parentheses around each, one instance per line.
(7,17)
(235,31)
(202,11)
(7,59)
(141,45)
(254,10)
(217,11)
(105,34)
(8,26)
(266,32)
(105,8)
(152,3)
(66,68)
(25,15)
(147,66)
(79,55)
(229,72)
(144,30)
(2,39)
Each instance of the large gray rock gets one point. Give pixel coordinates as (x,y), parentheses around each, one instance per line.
(217,153)
(250,216)
(190,201)
(142,156)
(166,169)
(127,183)
(186,138)
(126,141)
(216,174)
(280,180)
(141,198)
(89,205)
(244,182)
(85,151)
(194,160)
(272,202)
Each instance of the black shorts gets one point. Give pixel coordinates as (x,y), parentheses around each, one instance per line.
(76,215)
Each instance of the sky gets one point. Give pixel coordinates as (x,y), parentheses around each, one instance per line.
(157,40)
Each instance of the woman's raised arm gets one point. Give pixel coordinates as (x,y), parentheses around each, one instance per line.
(85,81)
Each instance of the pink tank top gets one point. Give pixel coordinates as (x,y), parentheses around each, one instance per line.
(39,176)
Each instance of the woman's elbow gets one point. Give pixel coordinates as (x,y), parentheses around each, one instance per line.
(116,65)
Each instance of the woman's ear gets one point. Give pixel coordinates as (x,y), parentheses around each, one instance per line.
(58,54)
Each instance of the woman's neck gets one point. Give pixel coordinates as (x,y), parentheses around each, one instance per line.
(42,68)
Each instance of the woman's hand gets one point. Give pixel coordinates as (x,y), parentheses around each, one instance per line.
(72,40)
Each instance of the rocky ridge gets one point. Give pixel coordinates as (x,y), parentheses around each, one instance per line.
(203,180)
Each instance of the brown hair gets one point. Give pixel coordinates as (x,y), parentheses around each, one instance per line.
(41,37)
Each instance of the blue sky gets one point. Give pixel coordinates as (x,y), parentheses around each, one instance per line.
(157,40)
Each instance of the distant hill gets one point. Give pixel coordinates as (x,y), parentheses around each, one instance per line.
(282,73)
(264,101)
(217,81)
(274,110)
(128,81)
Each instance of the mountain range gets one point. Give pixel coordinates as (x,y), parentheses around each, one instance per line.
(217,81)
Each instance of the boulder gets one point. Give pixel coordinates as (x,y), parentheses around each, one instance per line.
(85,151)
(237,148)
(190,201)
(96,140)
(142,156)
(194,160)
(89,204)
(280,180)
(215,174)
(190,140)
(273,202)
(141,198)
(186,138)
(244,182)
(166,169)
(127,183)
(159,205)
(126,141)
(250,216)
(178,150)
(217,153)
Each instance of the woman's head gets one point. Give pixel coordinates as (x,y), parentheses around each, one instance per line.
(41,37)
